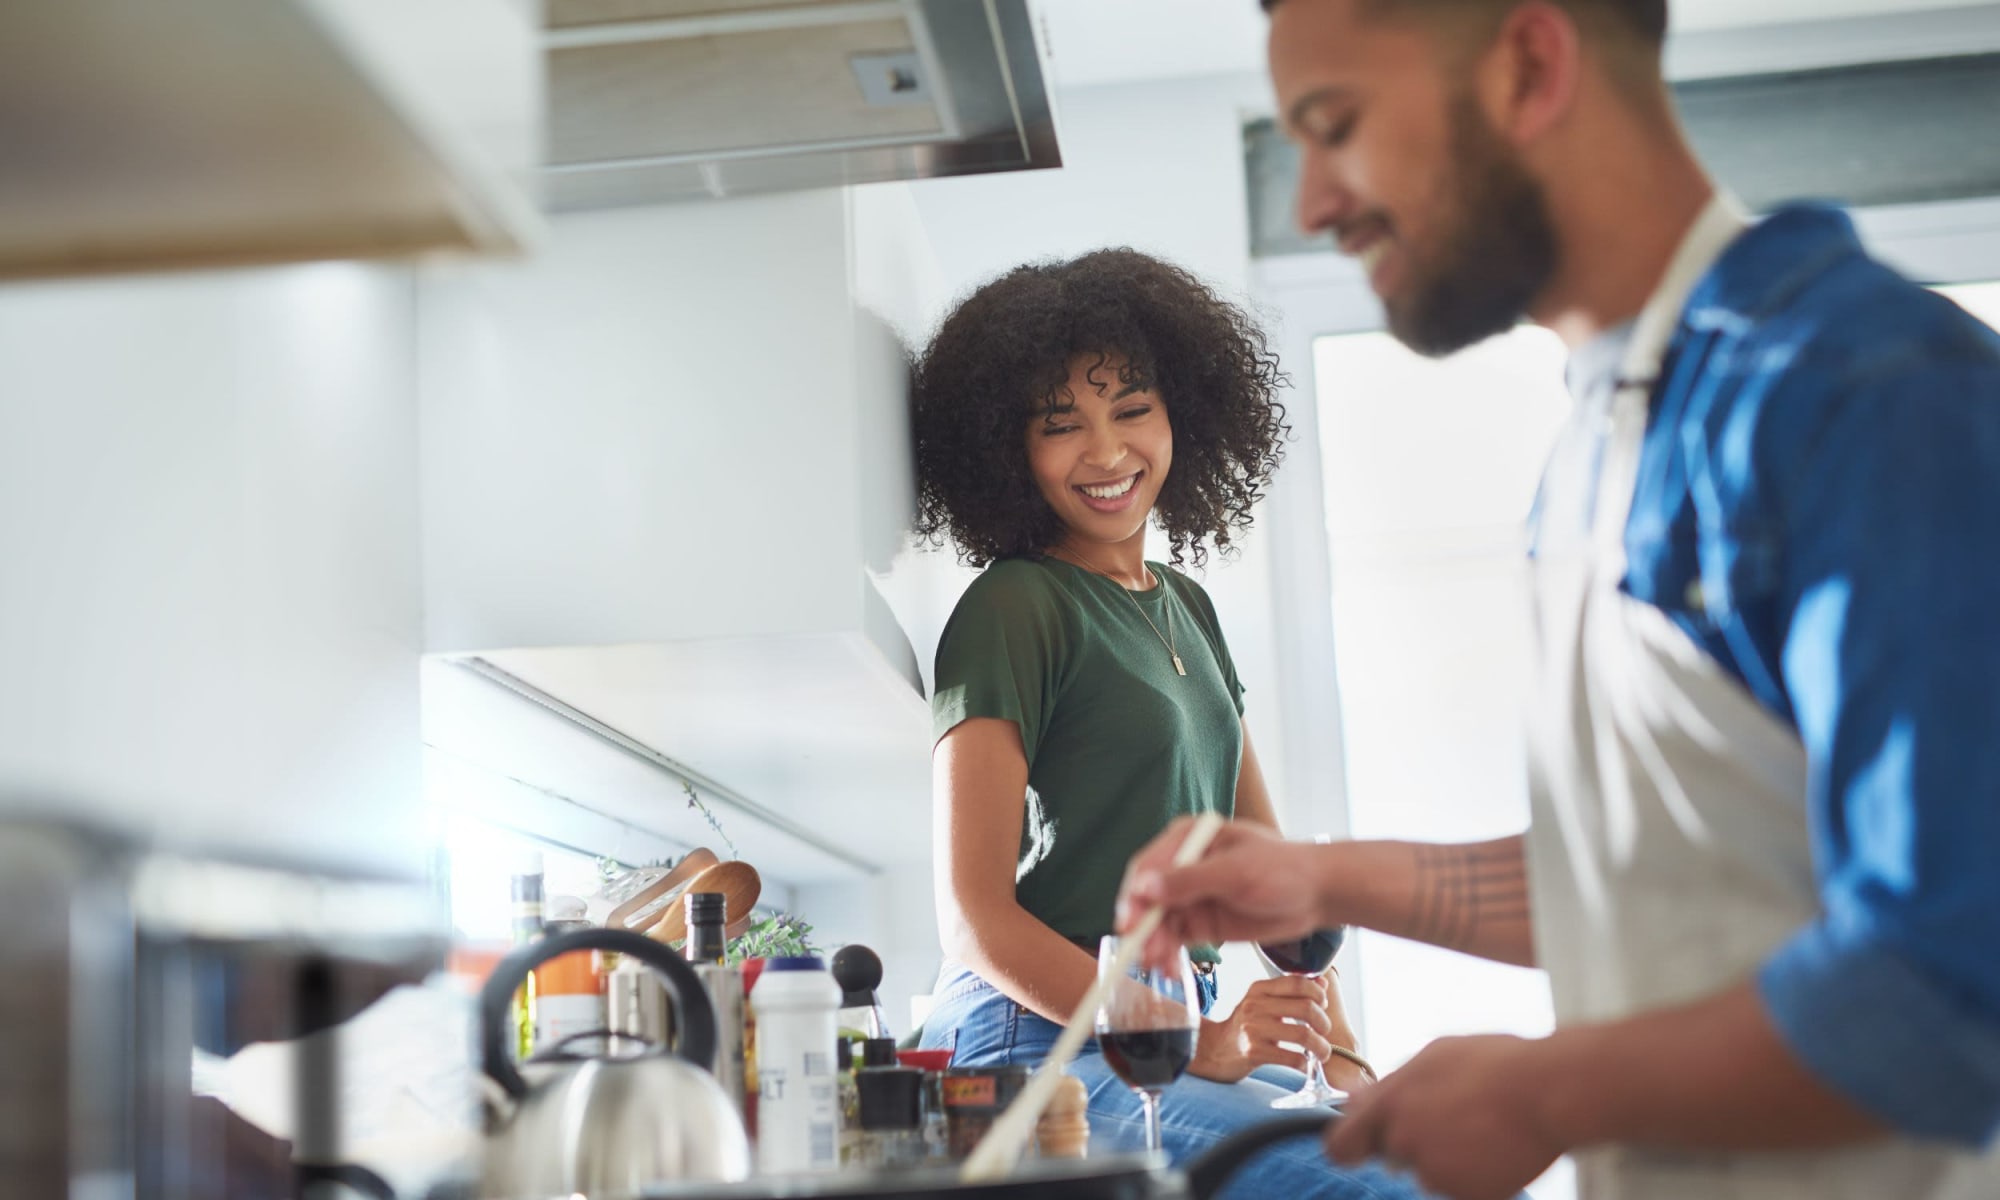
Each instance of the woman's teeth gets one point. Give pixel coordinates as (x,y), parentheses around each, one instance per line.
(1371,254)
(1110,491)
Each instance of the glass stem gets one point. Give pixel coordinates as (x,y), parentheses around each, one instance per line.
(1151,1101)
(1315,1077)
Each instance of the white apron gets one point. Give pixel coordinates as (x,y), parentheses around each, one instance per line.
(1668,855)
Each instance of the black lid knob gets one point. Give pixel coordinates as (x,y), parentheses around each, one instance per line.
(858,971)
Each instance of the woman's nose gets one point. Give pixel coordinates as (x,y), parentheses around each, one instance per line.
(1106,449)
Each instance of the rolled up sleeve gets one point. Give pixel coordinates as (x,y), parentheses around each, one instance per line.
(1891,661)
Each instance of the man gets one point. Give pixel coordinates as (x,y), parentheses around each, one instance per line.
(1765,787)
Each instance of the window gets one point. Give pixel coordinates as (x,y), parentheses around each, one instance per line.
(1982,300)
(1430,469)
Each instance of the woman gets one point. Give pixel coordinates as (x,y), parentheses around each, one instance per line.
(1084,697)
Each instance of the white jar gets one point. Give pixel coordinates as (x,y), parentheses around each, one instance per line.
(798,1111)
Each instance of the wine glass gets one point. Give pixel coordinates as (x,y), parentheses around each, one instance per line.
(1146,1027)
(1309,957)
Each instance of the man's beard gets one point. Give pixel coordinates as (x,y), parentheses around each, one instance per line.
(1497,253)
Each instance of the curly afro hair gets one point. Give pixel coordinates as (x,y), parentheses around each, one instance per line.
(1004,354)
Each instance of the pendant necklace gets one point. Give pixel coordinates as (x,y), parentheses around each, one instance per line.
(1167,638)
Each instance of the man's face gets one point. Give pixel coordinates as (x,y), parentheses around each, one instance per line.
(1398,162)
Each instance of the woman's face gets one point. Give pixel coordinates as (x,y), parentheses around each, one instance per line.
(1101,452)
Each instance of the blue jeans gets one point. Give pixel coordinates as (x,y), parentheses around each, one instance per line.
(984,1028)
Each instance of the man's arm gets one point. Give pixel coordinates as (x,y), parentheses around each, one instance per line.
(1254,886)
(1484,1116)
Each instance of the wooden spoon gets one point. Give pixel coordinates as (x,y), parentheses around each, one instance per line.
(644,910)
(740,886)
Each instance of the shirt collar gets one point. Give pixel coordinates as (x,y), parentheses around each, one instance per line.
(1771,263)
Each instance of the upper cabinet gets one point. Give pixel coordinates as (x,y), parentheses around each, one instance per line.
(224,132)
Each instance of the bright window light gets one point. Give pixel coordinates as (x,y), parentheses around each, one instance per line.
(1982,300)
(1431,467)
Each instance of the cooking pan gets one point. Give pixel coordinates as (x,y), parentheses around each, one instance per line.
(1127,1177)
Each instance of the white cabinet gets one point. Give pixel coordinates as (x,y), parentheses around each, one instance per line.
(660,462)
(226,132)
(210,599)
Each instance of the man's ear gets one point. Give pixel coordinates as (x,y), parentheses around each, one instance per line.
(1529,75)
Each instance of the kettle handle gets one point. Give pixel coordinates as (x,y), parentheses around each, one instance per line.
(697,1023)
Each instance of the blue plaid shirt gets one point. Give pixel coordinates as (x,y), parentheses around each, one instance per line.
(1818,505)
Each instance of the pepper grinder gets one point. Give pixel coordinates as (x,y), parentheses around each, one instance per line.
(858,971)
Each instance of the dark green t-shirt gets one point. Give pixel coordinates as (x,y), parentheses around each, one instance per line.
(1117,743)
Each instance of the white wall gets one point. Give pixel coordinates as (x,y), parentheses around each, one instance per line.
(680,435)
(1159,166)
(209,597)
(658,401)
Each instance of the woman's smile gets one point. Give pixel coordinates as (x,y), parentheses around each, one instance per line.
(1112,497)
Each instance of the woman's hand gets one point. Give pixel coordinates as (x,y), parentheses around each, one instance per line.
(1249,1037)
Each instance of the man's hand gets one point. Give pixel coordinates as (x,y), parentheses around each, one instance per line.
(1460,1116)
(1250,886)
(1248,1038)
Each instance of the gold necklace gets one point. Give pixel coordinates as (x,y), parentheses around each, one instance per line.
(1167,638)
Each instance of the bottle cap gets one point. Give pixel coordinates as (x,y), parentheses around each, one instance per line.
(891,1097)
(705,908)
(878,1052)
(795,962)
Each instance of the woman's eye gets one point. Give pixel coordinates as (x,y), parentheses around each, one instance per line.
(1057,430)
(1139,411)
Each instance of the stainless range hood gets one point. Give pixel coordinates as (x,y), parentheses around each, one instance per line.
(653,100)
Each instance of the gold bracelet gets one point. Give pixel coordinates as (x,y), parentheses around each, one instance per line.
(1357,1060)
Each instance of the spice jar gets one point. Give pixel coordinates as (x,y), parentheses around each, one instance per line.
(932,1063)
(891,1117)
(973,1098)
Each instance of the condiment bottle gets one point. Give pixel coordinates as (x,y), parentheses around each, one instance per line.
(753,970)
(705,948)
(845,1068)
(1064,1130)
(851,1059)
(891,1117)
(525,888)
(797,1114)
(569,997)
(705,918)
(858,971)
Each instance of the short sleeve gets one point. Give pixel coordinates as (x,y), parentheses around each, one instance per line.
(1196,600)
(1002,653)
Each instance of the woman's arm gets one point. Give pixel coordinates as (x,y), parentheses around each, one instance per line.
(1253,798)
(1253,803)
(979,778)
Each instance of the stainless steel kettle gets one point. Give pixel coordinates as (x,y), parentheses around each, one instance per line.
(608,1127)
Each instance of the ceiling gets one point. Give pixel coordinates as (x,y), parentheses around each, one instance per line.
(1122,41)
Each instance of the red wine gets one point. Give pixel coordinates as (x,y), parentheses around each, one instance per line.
(1308,955)
(1148,1059)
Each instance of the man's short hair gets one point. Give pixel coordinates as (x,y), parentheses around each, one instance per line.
(1645,20)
